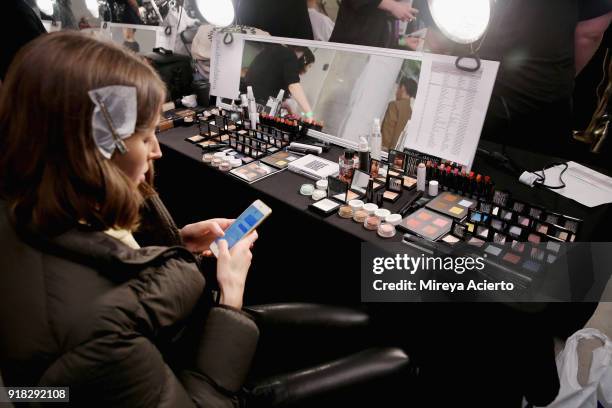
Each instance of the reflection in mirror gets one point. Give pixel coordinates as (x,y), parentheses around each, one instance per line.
(343,89)
(139,39)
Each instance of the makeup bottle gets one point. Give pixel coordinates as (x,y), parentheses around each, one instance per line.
(346,166)
(375,139)
(421,174)
(364,155)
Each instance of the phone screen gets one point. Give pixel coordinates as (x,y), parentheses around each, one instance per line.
(243,224)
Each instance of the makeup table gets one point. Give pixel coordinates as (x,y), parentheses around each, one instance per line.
(301,255)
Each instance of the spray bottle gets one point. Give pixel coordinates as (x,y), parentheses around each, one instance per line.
(375,139)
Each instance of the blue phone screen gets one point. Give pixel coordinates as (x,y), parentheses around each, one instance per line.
(242,225)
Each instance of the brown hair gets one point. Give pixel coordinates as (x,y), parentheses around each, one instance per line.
(51,173)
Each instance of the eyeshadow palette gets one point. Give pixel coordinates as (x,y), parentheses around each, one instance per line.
(280,160)
(453,205)
(253,172)
(426,224)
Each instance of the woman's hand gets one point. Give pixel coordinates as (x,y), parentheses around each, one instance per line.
(232,269)
(401,11)
(198,237)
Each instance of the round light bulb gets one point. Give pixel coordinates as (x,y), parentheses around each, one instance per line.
(217,12)
(461,21)
(46,6)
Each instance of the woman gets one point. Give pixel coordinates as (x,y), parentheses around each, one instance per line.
(279,67)
(81,304)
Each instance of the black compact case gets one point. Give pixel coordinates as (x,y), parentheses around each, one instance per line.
(337,189)
(397,160)
(394,187)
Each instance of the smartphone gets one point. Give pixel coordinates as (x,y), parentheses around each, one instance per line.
(244,225)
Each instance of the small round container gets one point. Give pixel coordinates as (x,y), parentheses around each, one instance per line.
(220,155)
(370,208)
(382,213)
(372,222)
(216,162)
(393,219)
(225,166)
(188,120)
(433,188)
(386,230)
(360,216)
(346,211)
(319,194)
(356,205)
(236,163)
(307,189)
(207,158)
(322,184)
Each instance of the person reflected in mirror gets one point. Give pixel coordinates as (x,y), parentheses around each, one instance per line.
(371,22)
(322,25)
(398,112)
(280,67)
(129,41)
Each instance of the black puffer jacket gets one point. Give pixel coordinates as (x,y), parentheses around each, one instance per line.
(85,311)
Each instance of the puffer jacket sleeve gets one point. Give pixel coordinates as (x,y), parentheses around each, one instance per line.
(119,365)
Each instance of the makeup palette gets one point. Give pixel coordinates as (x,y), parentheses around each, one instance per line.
(427,224)
(394,187)
(325,206)
(451,204)
(359,183)
(458,233)
(280,160)
(253,172)
(337,189)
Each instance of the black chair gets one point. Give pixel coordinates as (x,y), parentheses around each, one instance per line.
(314,355)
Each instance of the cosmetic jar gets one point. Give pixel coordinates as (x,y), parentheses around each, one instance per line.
(356,205)
(393,219)
(207,158)
(235,162)
(225,166)
(220,155)
(319,194)
(360,216)
(370,208)
(216,162)
(346,211)
(386,230)
(372,222)
(433,188)
(307,189)
(382,213)
(322,184)
(188,120)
